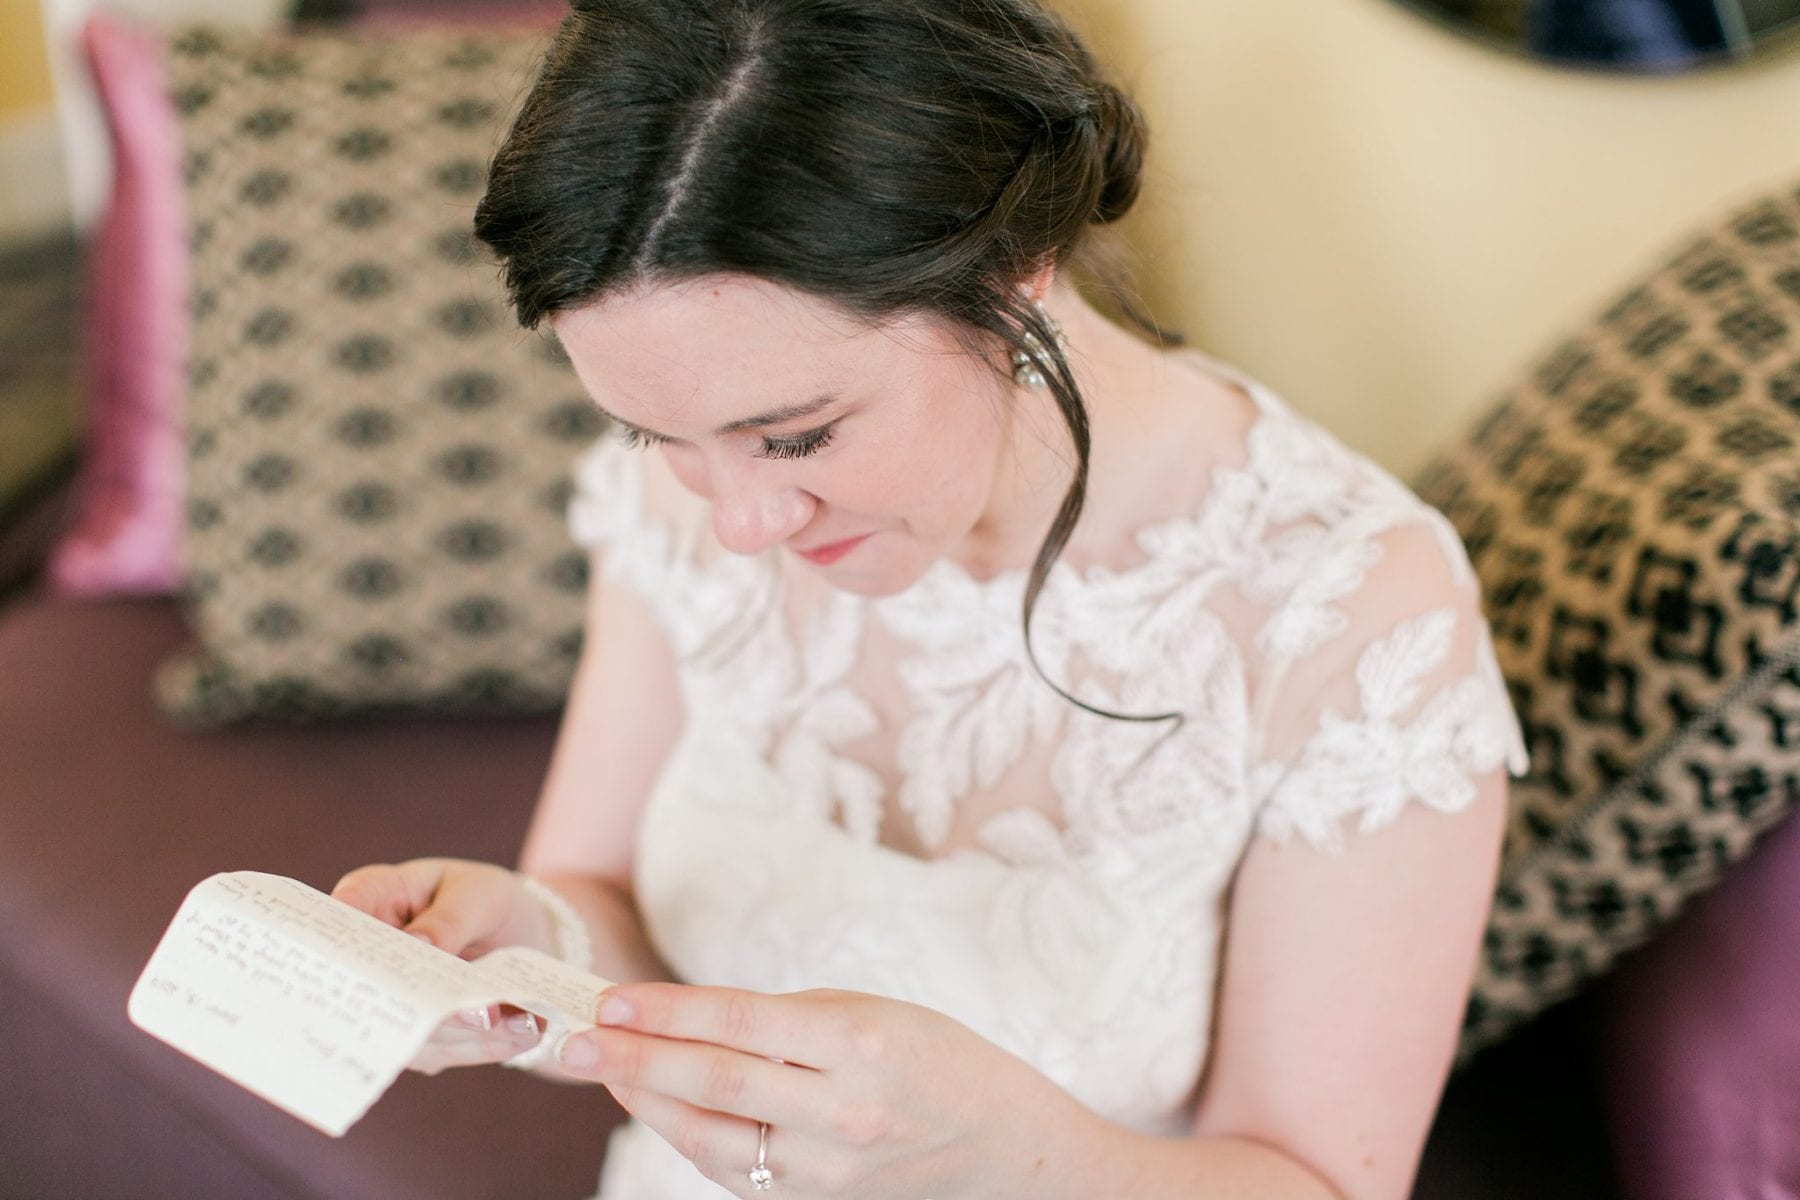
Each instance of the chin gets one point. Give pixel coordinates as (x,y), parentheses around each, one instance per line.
(874,581)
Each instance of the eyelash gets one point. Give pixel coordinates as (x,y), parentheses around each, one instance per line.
(637,439)
(801,445)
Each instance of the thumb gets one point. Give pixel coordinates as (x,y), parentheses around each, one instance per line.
(423,898)
(389,893)
(464,905)
(458,919)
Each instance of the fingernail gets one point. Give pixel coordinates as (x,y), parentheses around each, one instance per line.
(616,1010)
(422,936)
(476,1018)
(579,1053)
(522,1023)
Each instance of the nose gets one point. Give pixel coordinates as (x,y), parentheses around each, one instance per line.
(750,515)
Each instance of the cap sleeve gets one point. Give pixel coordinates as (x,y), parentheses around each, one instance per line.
(1403,703)
(648,534)
(609,515)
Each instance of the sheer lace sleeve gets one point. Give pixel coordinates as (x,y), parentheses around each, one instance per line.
(1397,699)
(609,515)
(648,534)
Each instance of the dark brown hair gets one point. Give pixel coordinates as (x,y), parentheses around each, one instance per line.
(892,157)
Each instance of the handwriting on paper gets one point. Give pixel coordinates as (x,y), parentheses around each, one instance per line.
(316,1006)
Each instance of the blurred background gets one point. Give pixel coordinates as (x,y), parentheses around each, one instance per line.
(54,179)
(1380,216)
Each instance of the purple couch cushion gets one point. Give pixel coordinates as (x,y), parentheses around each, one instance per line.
(108,815)
(1702,1045)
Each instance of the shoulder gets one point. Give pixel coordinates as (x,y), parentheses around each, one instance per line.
(615,487)
(1377,683)
(1344,550)
(1397,699)
(624,500)
(644,530)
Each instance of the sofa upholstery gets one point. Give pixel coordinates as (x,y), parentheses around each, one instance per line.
(1629,504)
(108,815)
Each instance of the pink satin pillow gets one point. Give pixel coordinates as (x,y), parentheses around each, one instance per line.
(126,532)
(125,537)
(1700,1040)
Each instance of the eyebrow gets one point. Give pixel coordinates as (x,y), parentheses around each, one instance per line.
(775,416)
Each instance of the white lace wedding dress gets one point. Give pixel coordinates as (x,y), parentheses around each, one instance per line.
(882,796)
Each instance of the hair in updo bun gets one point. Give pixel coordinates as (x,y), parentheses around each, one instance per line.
(1122,133)
(889,156)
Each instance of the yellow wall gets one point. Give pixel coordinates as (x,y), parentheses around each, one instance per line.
(24,71)
(1386,222)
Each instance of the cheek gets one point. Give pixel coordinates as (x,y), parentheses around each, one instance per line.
(963,435)
(941,474)
(906,476)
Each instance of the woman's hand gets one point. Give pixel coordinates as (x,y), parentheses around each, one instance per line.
(864,1096)
(465,908)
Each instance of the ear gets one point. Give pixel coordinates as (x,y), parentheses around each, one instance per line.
(1037,285)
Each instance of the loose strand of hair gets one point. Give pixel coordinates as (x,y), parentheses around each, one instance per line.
(1031,333)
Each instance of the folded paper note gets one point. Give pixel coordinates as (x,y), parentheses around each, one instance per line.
(316,1006)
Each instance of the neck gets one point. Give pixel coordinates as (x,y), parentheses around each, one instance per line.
(1036,459)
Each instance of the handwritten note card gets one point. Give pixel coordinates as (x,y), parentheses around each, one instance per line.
(316,1006)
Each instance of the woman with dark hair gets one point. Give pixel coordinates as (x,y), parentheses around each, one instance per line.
(1012,756)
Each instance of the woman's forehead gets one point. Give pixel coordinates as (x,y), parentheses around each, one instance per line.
(717,303)
(724,320)
(701,350)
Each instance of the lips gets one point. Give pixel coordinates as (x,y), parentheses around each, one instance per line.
(829,553)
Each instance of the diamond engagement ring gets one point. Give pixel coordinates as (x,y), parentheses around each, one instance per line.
(761,1178)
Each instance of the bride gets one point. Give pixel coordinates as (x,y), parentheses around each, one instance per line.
(1012,756)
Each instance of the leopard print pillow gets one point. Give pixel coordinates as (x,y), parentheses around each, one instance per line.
(1633,510)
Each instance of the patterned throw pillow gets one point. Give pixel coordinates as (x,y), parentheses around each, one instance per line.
(378,456)
(1633,510)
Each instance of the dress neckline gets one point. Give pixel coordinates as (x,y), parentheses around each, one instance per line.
(1064,578)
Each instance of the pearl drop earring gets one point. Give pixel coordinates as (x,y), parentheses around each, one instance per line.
(1026,372)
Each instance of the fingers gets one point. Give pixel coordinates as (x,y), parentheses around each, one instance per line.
(456,906)
(725,1149)
(715,1078)
(722,1147)
(389,893)
(474,1038)
(793,1028)
(462,919)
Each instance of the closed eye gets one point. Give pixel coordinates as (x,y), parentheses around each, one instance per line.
(638,439)
(798,445)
